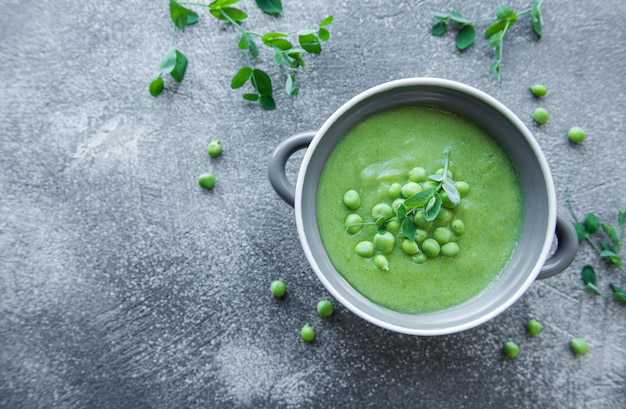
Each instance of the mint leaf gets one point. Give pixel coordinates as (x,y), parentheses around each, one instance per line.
(268,102)
(588,275)
(241,77)
(262,82)
(228,13)
(439,28)
(180,67)
(419,199)
(273,7)
(182,16)
(465,37)
(156,86)
(409,228)
(310,43)
(433,207)
(251,97)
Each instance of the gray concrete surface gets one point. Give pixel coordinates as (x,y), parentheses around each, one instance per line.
(124,285)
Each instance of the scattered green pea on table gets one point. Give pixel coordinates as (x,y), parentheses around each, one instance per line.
(538,90)
(533,327)
(511,349)
(214,148)
(307,333)
(207,180)
(325,308)
(277,288)
(541,115)
(576,134)
(579,346)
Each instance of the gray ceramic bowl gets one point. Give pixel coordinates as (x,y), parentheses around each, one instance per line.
(531,258)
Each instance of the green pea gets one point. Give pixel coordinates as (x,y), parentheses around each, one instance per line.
(352,199)
(384,242)
(382,211)
(420,235)
(419,258)
(431,248)
(429,184)
(444,216)
(277,288)
(395,190)
(417,174)
(325,308)
(579,346)
(538,90)
(511,349)
(214,148)
(457,226)
(533,327)
(364,249)
(440,172)
(410,247)
(307,333)
(446,202)
(381,262)
(353,222)
(393,225)
(396,203)
(541,115)
(450,249)
(207,181)
(576,134)
(442,235)
(462,187)
(411,188)
(421,222)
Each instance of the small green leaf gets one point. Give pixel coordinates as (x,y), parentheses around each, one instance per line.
(310,43)
(262,82)
(432,208)
(401,211)
(273,7)
(280,43)
(618,293)
(323,34)
(504,12)
(244,42)
(298,59)
(581,232)
(168,62)
(611,256)
(441,16)
(267,102)
(326,21)
(241,77)
(611,231)
(588,275)
(409,228)
(495,39)
(592,223)
(494,28)
(178,73)
(254,48)
(621,217)
(251,97)
(465,37)
(494,67)
(235,14)
(451,191)
(537,17)
(221,3)
(268,37)
(439,28)
(419,199)
(289,84)
(456,16)
(156,86)
(182,16)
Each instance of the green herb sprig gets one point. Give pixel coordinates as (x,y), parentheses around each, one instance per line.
(430,200)
(499,26)
(287,56)
(606,239)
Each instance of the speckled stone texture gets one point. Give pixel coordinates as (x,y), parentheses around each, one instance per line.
(124,285)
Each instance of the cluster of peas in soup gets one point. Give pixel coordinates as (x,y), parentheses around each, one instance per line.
(418,208)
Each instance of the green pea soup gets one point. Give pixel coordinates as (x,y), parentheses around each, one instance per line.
(381,150)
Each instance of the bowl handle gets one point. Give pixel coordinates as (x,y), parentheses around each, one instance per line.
(565,252)
(278,162)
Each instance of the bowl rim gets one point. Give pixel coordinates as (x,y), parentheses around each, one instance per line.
(472,92)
